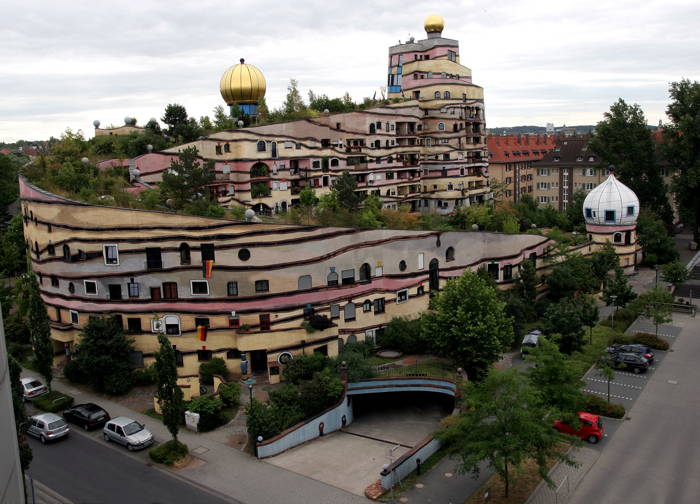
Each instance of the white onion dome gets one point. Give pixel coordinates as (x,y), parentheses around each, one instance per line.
(611,203)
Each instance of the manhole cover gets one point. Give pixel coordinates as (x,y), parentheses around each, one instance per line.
(448,475)
(420,485)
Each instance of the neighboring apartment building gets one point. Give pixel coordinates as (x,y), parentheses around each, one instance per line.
(426,151)
(511,158)
(570,167)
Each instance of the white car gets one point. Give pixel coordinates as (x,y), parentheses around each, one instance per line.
(32,388)
(47,427)
(128,432)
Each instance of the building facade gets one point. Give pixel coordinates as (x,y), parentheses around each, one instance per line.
(511,159)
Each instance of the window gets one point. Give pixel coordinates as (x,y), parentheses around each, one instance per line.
(261,146)
(617,237)
(54,281)
(379,305)
(441,126)
(66,253)
(421,260)
(115,291)
(172,325)
(630,211)
(203,355)
(365,273)
(244,254)
(218,149)
(349,312)
(51,250)
(185,257)
(133,289)
(178,357)
(74,318)
(492,269)
(348,276)
(610,216)
(420,290)
(332,279)
(111,255)
(262,285)
(234,353)
(71,287)
(450,254)
(153,258)
(227,147)
(402,296)
(335,311)
(507,272)
(133,325)
(264,321)
(304,282)
(232,289)
(207,250)
(90,287)
(589,213)
(199,287)
(447,97)
(155,293)
(201,321)
(367,306)
(437,93)
(170,290)
(402,265)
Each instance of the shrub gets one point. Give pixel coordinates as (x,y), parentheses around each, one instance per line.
(168,453)
(145,375)
(303,367)
(230,394)
(119,382)
(215,366)
(405,335)
(651,340)
(74,372)
(210,412)
(320,322)
(364,348)
(599,406)
(53,402)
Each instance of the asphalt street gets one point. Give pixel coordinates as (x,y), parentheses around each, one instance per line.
(85,470)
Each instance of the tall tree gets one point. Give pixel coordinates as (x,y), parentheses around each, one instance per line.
(574,211)
(564,318)
(8,184)
(605,368)
(619,287)
(682,137)
(657,246)
(526,284)
(589,314)
(222,120)
(12,249)
(603,261)
(345,186)
(169,393)
(40,332)
(674,273)
(623,139)
(468,324)
(503,422)
(180,126)
(655,305)
(20,414)
(185,182)
(293,102)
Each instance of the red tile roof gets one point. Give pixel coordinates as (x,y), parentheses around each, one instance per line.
(513,148)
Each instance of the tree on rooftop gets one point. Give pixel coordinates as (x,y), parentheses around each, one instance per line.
(222,120)
(293,102)
(186,179)
(180,126)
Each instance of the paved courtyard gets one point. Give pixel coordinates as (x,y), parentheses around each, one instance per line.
(385,427)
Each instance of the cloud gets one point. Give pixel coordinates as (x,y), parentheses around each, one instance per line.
(68,63)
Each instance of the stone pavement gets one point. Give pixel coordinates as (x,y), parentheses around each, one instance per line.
(218,467)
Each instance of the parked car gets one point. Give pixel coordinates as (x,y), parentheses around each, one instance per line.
(32,388)
(590,427)
(47,427)
(628,361)
(637,348)
(530,340)
(87,415)
(128,432)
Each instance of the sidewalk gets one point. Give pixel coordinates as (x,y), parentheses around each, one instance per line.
(220,467)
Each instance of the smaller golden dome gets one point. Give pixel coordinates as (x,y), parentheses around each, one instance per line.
(242,83)
(434,23)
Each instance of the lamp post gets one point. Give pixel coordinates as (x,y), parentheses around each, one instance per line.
(656,276)
(250,392)
(614,300)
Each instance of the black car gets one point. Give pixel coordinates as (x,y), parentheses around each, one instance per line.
(88,416)
(628,361)
(637,348)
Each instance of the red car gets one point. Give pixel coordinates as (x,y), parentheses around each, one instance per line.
(590,428)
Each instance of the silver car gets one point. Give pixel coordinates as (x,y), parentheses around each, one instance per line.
(32,388)
(128,432)
(47,427)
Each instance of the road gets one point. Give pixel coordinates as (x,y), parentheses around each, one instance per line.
(88,471)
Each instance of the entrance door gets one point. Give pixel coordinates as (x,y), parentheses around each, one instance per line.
(258,361)
(434,275)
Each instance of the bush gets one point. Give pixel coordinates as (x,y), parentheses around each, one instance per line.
(53,402)
(119,382)
(168,453)
(623,319)
(145,375)
(215,366)
(599,406)
(230,394)
(73,371)
(651,340)
(405,335)
(303,367)
(210,412)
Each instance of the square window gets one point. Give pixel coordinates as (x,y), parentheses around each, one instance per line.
(54,281)
(610,216)
(234,322)
(90,287)
(155,293)
(133,289)
(232,288)
(379,305)
(111,255)
(402,296)
(74,318)
(169,290)
(589,213)
(262,285)
(233,354)
(201,321)
(199,287)
(207,250)
(133,325)
(630,211)
(203,355)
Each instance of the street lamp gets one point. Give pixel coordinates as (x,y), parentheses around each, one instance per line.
(250,391)
(656,276)
(614,300)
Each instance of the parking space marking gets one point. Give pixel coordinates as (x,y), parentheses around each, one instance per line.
(605,394)
(616,383)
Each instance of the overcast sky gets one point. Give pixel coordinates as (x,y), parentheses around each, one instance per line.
(64,64)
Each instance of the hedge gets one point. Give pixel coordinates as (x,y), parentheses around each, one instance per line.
(53,402)
(651,340)
(599,406)
(168,453)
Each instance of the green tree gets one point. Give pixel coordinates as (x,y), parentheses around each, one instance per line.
(503,422)
(103,355)
(9,188)
(169,393)
(222,120)
(468,324)
(674,273)
(682,151)
(603,261)
(319,393)
(572,276)
(345,186)
(307,200)
(404,334)
(655,305)
(558,382)
(605,369)
(293,102)
(13,257)
(40,332)
(185,182)
(20,414)
(180,126)
(589,314)
(619,287)
(623,139)
(564,318)
(574,211)
(657,246)
(526,285)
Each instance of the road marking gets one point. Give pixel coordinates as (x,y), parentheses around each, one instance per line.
(616,383)
(605,394)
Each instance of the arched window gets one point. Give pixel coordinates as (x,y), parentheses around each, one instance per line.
(332,279)
(365,273)
(259,170)
(450,254)
(261,146)
(51,250)
(349,311)
(335,162)
(172,325)
(447,95)
(367,306)
(66,253)
(185,257)
(437,95)
(304,282)
(372,129)
(441,126)
(617,237)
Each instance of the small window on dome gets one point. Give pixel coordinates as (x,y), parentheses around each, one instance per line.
(630,211)
(589,213)
(610,216)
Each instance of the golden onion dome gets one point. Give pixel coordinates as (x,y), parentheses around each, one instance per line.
(434,23)
(242,83)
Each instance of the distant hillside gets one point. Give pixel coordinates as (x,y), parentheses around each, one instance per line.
(538,130)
